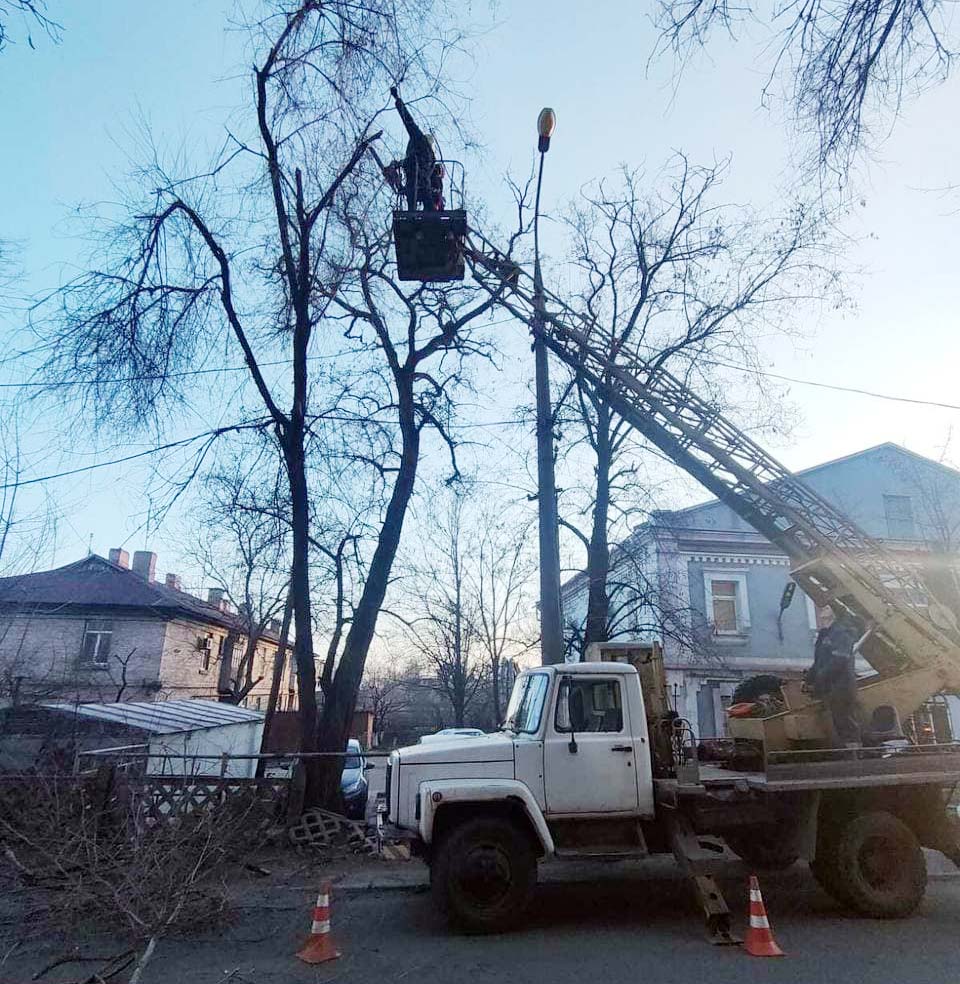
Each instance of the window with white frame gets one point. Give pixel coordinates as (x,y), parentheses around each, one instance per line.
(97,636)
(727,608)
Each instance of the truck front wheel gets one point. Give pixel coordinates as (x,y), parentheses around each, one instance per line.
(483,874)
(879,867)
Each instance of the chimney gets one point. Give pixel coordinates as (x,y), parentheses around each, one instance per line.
(120,557)
(173,581)
(274,626)
(215,597)
(145,564)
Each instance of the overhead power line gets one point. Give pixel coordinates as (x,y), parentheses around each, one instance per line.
(751,370)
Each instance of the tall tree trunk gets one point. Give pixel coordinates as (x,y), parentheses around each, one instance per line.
(302,620)
(279,664)
(598,553)
(339,703)
(495,690)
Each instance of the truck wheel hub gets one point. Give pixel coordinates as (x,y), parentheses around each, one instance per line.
(484,874)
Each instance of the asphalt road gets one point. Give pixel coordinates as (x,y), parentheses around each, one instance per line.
(621,928)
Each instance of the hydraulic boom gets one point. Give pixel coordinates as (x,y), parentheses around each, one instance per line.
(915,651)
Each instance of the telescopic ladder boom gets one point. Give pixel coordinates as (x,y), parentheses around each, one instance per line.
(834,561)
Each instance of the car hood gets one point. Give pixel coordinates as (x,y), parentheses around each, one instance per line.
(485,748)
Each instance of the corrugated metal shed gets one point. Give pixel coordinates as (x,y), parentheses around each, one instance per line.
(162,717)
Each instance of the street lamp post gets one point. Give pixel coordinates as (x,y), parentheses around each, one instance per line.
(551,618)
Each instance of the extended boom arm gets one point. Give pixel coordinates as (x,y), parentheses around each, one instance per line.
(835,562)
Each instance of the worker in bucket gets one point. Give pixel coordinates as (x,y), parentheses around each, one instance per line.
(833,676)
(423,176)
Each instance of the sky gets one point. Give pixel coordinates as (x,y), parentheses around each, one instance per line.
(72,112)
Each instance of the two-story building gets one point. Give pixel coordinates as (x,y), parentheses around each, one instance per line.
(707,586)
(101,630)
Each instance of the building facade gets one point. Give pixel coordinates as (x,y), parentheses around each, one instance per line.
(101,630)
(708,587)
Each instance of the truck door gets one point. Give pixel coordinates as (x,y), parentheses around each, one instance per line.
(588,748)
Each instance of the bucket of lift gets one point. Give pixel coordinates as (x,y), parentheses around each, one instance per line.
(429,245)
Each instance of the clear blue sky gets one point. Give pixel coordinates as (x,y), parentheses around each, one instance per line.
(71,112)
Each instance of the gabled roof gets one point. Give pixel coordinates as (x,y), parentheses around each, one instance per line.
(669,517)
(164,717)
(98,583)
(813,469)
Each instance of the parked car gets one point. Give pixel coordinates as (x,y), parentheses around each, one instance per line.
(353,781)
(446,734)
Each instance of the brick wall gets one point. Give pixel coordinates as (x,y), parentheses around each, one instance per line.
(44,651)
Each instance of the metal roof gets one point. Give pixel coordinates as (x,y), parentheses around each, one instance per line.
(161,717)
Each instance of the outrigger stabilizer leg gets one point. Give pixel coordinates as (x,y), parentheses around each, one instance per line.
(689,853)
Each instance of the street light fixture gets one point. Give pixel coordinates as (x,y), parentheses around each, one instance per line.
(551,617)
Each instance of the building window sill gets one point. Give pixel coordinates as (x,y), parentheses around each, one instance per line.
(731,637)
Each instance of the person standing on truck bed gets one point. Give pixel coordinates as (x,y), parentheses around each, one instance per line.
(423,176)
(833,676)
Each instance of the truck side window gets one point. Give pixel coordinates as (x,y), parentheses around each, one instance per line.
(587,706)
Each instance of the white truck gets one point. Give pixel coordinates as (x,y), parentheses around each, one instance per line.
(591,763)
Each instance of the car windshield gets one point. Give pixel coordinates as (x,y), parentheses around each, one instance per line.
(526,703)
(351,762)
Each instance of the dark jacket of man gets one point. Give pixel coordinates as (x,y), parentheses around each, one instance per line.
(833,676)
(419,163)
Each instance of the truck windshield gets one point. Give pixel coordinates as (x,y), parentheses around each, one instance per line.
(526,703)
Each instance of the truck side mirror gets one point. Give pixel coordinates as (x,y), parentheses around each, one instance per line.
(787,596)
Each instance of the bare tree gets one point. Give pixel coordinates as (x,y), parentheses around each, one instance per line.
(674,279)
(27,14)
(249,257)
(386,690)
(501,581)
(848,63)
(443,630)
(242,545)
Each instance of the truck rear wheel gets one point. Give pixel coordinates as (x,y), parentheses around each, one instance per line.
(878,866)
(483,874)
(765,848)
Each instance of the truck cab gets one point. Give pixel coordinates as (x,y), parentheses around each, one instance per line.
(569,774)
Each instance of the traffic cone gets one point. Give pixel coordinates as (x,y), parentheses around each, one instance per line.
(759,941)
(320,946)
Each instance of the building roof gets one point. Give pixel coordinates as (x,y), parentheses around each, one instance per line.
(813,469)
(671,516)
(98,583)
(162,717)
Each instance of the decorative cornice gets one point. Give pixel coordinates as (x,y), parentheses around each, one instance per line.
(742,559)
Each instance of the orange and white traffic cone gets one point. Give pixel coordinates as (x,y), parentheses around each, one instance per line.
(759,941)
(320,946)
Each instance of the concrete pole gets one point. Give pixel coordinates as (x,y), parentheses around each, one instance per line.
(551,616)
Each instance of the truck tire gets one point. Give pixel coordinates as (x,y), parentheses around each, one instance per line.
(824,869)
(879,867)
(483,874)
(762,848)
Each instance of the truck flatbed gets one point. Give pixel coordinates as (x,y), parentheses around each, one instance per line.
(919,765)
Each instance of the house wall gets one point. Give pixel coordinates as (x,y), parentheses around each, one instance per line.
(181,670)
(713,539)
(44,649)
(158,658)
